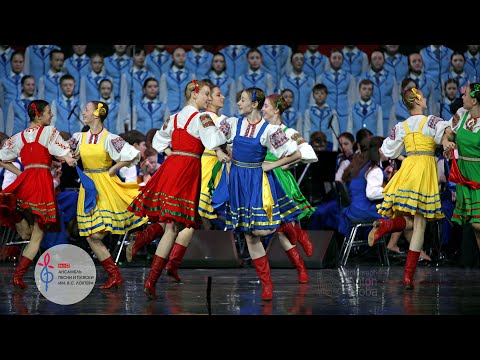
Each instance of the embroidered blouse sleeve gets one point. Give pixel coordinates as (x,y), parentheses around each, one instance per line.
(232,127)
(279,144)
(11,148)
(308,154)
(74,143)
(225,123)
(211,136)
(163,137)
(435,127)
(456,119)
(55,143)
(120,150)
(393,145)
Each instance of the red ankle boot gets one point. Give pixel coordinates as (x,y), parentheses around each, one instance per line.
(263,271)
(297,261)
(141,238)
(158,264)
(304,240)
(114,276)
(383,227)
(410,267)
(20,270)
(289,230)
(174,261)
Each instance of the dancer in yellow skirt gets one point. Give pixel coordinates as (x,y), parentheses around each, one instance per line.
(412,197)
(211,165)
(98,148)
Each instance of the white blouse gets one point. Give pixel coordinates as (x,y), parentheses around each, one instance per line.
(50,138)
(434,127)
(201,127)
(273,138)
(374,189)
(455,121)
(308,154)
(114,145)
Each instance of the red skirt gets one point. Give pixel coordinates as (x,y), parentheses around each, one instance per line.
(31,192)
(172,193)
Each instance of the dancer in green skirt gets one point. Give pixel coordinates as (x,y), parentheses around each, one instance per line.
(272,111)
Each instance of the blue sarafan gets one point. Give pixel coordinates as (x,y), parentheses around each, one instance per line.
(90,191)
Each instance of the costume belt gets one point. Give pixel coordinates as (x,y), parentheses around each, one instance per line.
(96,170)
(466,158)
(31,166)
(429,153)
(185,153)
(247,164)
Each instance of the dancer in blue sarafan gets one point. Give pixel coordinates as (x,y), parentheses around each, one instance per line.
(257,203)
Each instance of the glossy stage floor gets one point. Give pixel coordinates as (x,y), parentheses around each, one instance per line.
(353,290)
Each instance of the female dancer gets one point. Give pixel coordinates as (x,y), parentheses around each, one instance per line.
(98,148)
(272,111)
(211,173)
(171,196)
(29,204)
(466,174)
(411,197)
(257,202)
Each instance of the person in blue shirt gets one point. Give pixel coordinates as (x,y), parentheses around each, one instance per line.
(395,62)
(158,61)
(77,65)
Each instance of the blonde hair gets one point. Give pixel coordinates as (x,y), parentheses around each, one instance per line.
(409,97)
(194,86)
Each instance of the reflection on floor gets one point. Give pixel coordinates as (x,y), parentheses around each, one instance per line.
(354,290)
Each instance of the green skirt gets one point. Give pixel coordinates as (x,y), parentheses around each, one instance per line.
(286,179)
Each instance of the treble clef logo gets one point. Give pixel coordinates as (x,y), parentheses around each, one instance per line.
(46,276)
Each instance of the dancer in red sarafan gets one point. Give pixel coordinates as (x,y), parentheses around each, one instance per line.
(171,196)
(29,204)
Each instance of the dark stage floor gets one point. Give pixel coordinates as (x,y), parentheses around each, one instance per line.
(353,290)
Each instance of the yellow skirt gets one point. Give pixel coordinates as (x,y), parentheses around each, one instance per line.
(110,212)
(204,208)
(414,188)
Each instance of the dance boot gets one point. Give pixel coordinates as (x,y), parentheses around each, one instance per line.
(21,269)
(174,261)
(263,271)
(141,238)
(304,240)
(410,267)
(289,230)
(383,227)
(158,264)
(297,261)
(114,276)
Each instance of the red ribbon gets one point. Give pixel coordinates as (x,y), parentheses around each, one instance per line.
(457,177)
(34,107)
(196,85)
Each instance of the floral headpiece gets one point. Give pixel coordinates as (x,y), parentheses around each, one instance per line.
(476,88)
